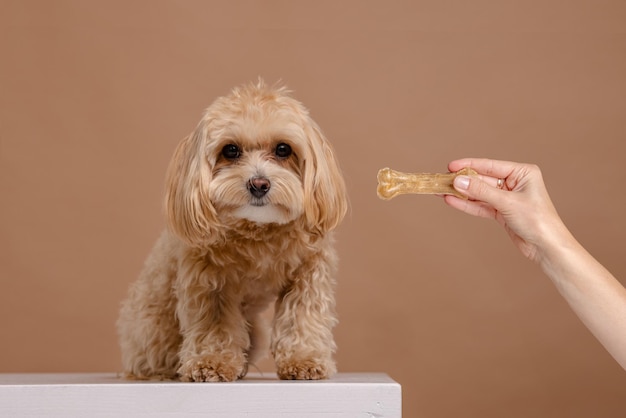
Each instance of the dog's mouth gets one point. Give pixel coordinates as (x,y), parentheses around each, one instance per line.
(263,211)
(258,202)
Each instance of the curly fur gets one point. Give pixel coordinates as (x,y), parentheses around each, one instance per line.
(195,311)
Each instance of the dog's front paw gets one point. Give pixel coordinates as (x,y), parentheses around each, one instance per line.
(213,368)
(305,369)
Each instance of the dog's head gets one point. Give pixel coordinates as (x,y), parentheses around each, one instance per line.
(256,155)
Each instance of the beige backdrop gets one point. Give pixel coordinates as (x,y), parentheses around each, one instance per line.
(94,96)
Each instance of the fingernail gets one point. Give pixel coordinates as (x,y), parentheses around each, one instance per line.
(461,182)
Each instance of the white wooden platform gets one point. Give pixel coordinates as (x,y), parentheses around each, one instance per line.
(366,395)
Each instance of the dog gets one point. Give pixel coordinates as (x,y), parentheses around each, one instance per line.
(253,196)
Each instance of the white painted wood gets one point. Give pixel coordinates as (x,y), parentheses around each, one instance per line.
(366,395)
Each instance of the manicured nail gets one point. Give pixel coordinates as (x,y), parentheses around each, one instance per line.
(461,182)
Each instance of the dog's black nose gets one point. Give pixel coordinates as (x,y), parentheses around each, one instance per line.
(258,186)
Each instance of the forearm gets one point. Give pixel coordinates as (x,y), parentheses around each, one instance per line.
(593,293)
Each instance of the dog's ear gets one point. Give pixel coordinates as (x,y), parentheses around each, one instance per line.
(325,197)
(188,209)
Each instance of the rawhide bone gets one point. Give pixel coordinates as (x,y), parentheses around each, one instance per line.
(392,183)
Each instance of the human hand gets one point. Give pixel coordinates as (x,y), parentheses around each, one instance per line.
(513,194)
(520,203)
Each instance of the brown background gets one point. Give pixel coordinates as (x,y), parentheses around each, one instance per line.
(94,96)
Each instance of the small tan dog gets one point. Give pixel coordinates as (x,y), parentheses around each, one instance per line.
(252,197)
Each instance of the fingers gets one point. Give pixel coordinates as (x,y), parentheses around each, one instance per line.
(482,192)
(492,168)
(498,183)
(482,189)
(471,207)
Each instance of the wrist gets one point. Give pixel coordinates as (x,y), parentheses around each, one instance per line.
(557,244)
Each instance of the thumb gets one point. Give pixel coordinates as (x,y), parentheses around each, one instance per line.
(476,189)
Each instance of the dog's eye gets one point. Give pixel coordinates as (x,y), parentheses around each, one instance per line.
(283,150)
(231,152)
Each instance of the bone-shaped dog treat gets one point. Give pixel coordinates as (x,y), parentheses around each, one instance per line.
(392,183)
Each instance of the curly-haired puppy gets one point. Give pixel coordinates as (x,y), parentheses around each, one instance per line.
(252,196)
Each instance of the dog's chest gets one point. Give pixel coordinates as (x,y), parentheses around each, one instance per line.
(267,263)
(260,265)
(262,275)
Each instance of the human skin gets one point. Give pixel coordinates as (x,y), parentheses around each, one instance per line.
(524,209)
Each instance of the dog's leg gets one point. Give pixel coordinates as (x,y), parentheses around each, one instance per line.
(302,340)
(215,337)
(147,327)
(258,329)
